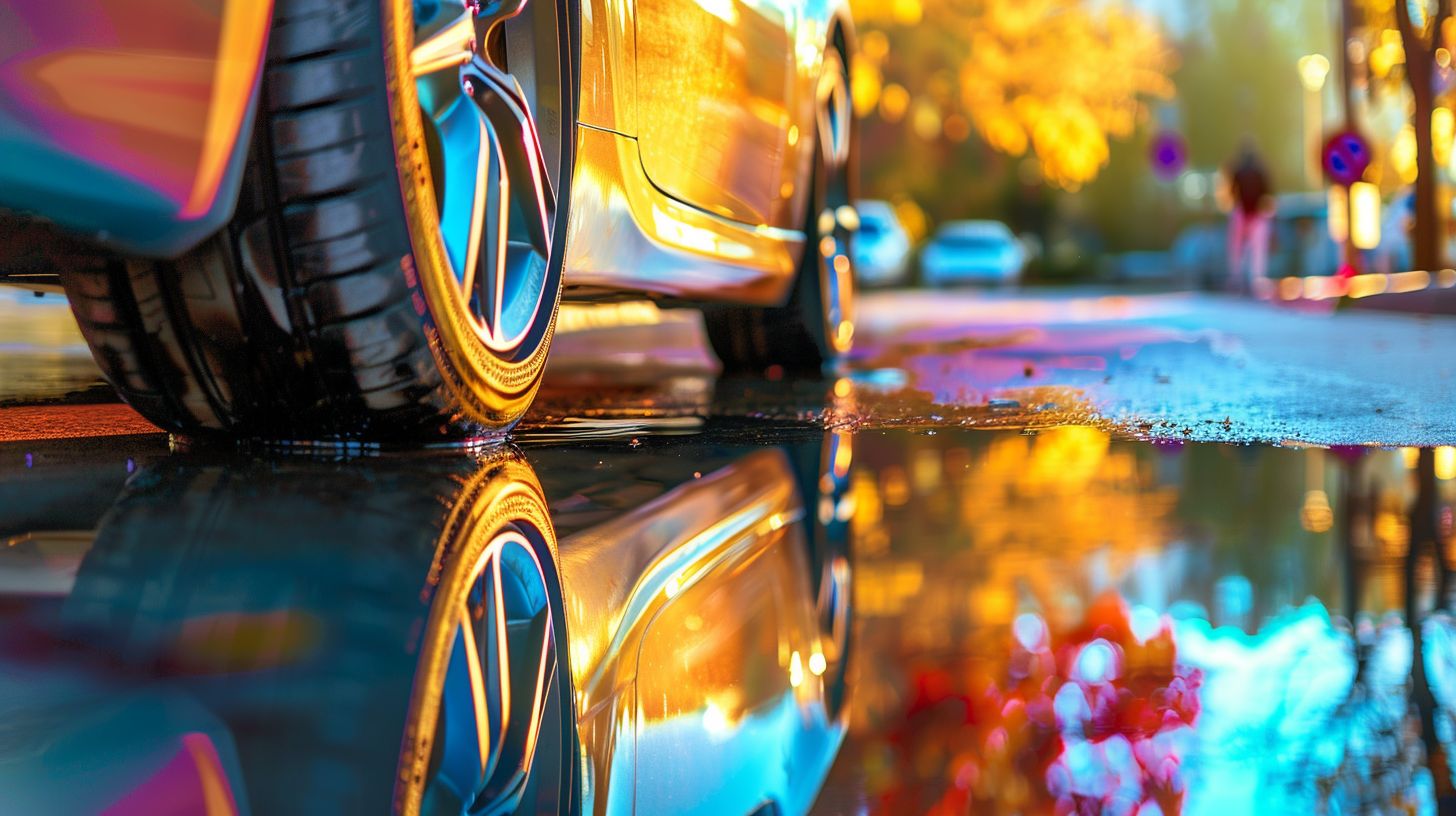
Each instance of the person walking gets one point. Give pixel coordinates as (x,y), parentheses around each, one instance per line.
(1250,220)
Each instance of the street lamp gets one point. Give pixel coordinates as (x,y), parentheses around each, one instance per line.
(1314,69)
(1364,215)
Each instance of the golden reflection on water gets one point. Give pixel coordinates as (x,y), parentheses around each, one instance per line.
(991,565)
(700,587)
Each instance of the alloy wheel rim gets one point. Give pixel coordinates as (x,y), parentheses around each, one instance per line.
(500,698)
(494,182)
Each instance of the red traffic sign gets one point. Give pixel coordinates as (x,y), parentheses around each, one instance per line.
(1346,157)
(1168,154)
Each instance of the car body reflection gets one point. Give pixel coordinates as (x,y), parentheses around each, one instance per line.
(280,635)
(692,628)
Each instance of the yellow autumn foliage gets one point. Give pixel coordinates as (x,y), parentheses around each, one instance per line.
(1058,79)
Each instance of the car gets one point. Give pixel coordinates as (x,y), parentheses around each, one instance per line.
(569,629)
(972,252)
(346,219)
(881,247)
(1200,256)
(1300,244)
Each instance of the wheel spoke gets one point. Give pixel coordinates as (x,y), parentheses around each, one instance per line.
(527,672)
(514,764)
(524,190)
(497,664)
(500,99)
(467,163)
(449,47)
(489,267)
(465,723)
(497,203)
(545,671)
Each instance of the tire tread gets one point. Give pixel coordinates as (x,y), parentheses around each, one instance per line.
(295,321)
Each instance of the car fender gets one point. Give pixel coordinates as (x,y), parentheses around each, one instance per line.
(125,121)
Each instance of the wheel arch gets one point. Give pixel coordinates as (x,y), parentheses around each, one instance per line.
(841,35)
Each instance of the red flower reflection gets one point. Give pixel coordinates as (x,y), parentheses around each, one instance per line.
(1088,721)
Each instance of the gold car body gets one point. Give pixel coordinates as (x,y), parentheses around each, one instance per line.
(697,120)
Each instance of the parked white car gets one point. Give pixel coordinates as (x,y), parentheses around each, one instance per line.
(972,252)
(882,247)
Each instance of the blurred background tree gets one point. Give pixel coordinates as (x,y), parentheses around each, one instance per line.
(1056,78)
(1061,78)
(1040,112)
(1402,60)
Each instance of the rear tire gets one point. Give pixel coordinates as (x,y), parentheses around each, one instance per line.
(329,307)
(816,326)
(327,640)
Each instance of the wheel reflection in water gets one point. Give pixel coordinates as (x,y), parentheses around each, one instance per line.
(490,724)
(395,630)
(368,632)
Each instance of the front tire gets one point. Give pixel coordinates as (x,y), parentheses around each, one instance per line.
(816,326)
(366,287)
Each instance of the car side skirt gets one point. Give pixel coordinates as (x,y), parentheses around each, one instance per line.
(626,234)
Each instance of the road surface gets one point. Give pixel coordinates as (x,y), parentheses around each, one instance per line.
(1004,559)
(1166,366)
(1179,366)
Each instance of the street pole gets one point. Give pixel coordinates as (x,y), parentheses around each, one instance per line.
(1313,129)
(1346,69)
(1313,71)
(1351,259)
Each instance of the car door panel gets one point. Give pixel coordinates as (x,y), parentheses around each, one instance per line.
(721,109)
(608,69)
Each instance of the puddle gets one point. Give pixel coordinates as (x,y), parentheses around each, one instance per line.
(1067,622)
(1161,366)
(911,621)
(1065,598)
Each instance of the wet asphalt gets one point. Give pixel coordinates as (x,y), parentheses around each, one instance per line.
(1187,366)
(1111,553)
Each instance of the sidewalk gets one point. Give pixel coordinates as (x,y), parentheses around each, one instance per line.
(1415,292)
(1434,301)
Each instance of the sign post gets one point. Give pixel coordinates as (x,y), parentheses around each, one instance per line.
(1346,157)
